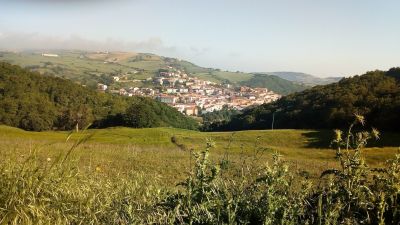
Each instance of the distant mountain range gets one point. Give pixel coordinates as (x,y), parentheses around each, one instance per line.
(304,78)
(91,68)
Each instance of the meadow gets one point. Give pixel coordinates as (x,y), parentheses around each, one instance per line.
(90,68)
(129,176)
(77,65)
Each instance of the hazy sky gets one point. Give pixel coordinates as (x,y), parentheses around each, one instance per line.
(321,37)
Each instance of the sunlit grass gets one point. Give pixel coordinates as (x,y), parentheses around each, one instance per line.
(151,150)
(122,175)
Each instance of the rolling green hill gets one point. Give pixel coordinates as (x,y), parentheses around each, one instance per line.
(303,78)
(274,83)
(38,102)
(376,95)
(90,68)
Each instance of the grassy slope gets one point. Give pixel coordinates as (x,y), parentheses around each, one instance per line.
(71,66)
(273,83)
(304,78)
(219,76)
(82,66)
(151,151)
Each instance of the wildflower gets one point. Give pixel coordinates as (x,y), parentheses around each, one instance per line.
(360,118)
(210,143)
(364,135)
(375,133)
(338,134)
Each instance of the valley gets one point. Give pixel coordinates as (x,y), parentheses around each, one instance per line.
(122,157)
(199,112)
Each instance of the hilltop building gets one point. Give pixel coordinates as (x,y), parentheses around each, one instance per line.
(49,55)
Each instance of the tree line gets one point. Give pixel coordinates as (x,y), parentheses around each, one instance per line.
(36,102)
(376,95)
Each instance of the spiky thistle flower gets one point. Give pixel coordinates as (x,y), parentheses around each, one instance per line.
(360,118)
(210,143)
(338,135)
(375,133)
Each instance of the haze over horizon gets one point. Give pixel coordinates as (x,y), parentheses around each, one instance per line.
(337,38)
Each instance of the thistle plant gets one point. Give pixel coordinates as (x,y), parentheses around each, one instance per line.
(197,203)
(349,196)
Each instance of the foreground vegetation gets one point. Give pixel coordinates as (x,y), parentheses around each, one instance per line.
(129,176)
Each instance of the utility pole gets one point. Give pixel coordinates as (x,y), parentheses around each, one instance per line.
(273,120)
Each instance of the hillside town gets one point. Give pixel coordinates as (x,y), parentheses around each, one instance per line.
(193,96)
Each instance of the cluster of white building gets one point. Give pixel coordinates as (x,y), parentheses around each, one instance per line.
(193,96)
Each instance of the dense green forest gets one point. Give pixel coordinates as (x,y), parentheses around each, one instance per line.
(36,102)
(213,120)
(274,83)
(376,95)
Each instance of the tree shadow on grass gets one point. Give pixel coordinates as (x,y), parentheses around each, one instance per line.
(318,139)
(323,139)
(387,139)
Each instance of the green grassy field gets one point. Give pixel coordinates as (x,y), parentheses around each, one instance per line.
(130,176)
(70,64)
(152,151)
(220,76)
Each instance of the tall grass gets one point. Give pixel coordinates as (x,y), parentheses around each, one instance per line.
(55,189)
(350,194)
